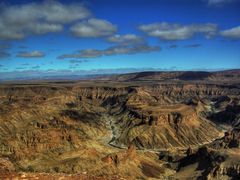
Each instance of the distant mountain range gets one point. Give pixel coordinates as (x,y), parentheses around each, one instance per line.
(233,75)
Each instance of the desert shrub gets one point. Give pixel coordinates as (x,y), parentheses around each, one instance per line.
(56,169)
(30,169)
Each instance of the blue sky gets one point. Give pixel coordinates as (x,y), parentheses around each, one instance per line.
(103,35)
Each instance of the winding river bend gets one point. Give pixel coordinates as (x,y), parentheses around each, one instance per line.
(115,133)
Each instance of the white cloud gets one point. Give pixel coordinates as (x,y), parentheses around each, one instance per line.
(93,28)
(144,48)
(58,13)
(126,39)
(17,21)
(233,33)
(114,50)
(218,2)
(33,54)
(89,53)
(168,31)
(43,28)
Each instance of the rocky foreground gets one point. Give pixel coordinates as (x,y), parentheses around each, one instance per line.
(124,127)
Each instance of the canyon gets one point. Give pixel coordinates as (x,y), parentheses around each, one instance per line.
(160,125)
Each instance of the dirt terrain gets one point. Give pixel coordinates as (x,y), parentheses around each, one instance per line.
(151,125)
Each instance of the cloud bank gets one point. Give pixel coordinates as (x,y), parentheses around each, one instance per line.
(126,39)
(93,28)
(233,33)
(18,21)
(33,54)
(114,50)
(174,31)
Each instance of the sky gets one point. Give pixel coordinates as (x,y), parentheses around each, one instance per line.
(117,36)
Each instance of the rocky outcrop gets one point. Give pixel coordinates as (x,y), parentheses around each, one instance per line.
(121,157)
(207,164)
(6,165)
(231,139)
(221,171)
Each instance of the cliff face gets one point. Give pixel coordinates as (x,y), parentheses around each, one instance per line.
(76,128)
